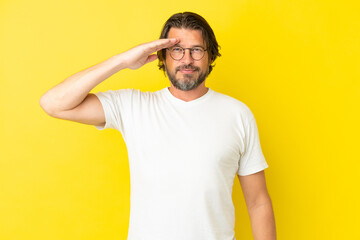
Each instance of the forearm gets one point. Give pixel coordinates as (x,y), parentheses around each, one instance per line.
(73,90)
(263,221)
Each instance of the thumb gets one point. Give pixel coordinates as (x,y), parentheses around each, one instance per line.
(151,58)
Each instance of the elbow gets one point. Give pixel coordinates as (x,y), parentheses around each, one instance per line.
(44,104)
(260,201)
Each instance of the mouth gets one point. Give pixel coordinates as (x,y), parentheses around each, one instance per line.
(187,71)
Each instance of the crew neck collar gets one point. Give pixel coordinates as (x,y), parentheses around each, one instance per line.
(190,103)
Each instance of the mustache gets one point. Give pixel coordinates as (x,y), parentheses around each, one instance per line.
(187,67)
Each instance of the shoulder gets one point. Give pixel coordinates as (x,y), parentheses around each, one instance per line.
(130,92)
(234,105)
(137,96)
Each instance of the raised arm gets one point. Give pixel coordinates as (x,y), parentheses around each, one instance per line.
(71,100)
(259,206)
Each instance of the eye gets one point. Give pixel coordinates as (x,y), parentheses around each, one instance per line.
(177,49)
(197,49)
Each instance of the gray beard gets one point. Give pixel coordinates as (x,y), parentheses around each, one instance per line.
(188,83)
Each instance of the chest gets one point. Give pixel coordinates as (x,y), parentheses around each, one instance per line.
(183,144)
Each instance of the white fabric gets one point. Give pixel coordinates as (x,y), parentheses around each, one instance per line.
(183,159)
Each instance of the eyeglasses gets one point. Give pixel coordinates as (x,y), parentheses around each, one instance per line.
(178,53)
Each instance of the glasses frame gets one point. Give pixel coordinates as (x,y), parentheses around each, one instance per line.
(184,49)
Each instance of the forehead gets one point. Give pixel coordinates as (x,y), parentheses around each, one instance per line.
(188,38)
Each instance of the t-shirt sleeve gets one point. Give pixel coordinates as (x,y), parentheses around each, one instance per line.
(252,158)
(116,105)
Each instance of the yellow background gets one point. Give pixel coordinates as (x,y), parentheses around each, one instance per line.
(294,63)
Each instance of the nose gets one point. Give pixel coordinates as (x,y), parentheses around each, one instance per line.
(187,59)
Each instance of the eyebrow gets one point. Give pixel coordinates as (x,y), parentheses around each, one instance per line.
(178,45)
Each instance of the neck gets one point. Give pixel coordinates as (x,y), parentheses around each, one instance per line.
(188,96)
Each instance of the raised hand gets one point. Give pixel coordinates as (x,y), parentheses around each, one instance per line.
(140,55)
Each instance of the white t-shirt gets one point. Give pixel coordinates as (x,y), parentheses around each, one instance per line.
(183,158)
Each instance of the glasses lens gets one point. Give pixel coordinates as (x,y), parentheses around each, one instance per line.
(197,53)
(176,53)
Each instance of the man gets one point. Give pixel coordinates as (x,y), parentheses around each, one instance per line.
(185,143)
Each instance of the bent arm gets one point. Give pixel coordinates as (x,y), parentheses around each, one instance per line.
(72,91)
(70,94)
(259,206)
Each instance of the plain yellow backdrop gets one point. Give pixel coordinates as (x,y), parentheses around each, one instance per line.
(294,63)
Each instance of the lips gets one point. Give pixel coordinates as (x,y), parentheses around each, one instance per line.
(187,71)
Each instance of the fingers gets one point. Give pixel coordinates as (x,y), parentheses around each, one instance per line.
(159,44)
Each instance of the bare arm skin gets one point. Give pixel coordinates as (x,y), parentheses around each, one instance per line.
(71,100)
(259,206)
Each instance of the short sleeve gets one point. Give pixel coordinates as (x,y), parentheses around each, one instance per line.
(252,158)
(116,104)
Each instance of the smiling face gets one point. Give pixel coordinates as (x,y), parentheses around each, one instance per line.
(198,70)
